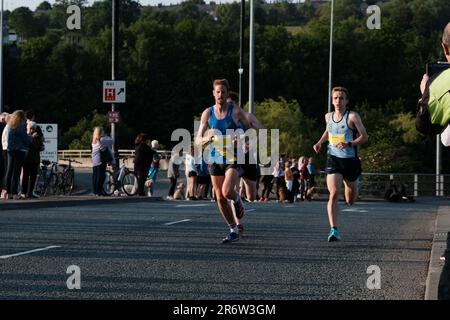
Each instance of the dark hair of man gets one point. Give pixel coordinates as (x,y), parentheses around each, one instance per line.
(234,96)
(141,137)
(29,114)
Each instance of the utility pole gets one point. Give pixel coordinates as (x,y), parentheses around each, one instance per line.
(241,52)
(330,70)
(251,68)
(114,58)
(1,59)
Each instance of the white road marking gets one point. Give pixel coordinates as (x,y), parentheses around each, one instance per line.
(355,210)
(289,206)
(190,205)
(174,222)
(27,252)
(250,210)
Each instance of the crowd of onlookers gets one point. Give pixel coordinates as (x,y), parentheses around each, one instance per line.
(22,141)
(293,180)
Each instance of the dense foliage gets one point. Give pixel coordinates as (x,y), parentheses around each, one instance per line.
(170,57)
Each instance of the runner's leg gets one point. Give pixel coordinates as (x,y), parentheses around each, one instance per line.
(222,202)
(351,191)
(334,182)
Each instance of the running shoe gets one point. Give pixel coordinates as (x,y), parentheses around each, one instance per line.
(233,236)
(241,230)
(238,208)
(334,235)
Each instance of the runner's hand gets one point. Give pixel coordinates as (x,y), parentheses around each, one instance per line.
(317,147)
(341,146)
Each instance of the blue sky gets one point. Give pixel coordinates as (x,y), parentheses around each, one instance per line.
(12,4)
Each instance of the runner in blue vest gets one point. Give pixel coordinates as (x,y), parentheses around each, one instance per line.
(220,119)
(344,132)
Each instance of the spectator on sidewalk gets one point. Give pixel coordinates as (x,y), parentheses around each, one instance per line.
(32,160)
(173,171)
(100,143)
(143,157)
(18,143)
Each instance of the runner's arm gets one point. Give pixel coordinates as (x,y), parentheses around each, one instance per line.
(201,139)
(254,122)
(322,139)
(355,119)
(241,116)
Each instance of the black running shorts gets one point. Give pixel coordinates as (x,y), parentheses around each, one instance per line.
(349,168)
(250,171)
(216,169)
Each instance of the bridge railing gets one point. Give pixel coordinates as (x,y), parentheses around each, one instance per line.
(372,184)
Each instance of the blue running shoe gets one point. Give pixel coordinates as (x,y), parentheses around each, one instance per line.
(239,208)
(233,236)
(334,235)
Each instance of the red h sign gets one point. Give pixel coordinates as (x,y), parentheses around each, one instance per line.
(110,94)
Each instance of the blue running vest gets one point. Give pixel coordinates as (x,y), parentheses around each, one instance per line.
(217,153)
(340,132)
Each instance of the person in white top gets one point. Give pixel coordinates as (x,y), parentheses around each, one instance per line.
(191,174)
(100,142)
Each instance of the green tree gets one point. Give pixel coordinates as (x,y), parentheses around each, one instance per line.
(22,21)
(44,6)
(297,132)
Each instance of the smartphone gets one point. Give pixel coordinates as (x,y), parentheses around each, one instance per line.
(433,68)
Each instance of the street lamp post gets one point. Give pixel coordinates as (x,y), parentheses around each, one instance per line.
(114,57)
(251,67)
(331,57)
(1,58)
(241,51)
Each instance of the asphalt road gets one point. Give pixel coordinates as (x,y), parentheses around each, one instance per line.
(172,250)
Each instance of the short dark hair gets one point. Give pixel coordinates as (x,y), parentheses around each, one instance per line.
(234,96)
(341,89)
(141,137)
(29,114)
(221,82)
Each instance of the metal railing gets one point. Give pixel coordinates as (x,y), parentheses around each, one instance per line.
(122,153)
(417,184)
(372,184)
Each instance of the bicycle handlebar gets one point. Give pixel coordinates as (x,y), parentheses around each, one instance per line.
(70,160)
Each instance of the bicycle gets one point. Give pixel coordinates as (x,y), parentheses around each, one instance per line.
(47,179)
(66,177)
(124,179)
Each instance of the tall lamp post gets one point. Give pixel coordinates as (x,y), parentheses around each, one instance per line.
(251,67)
(114,57)
(330,69)
(241,51)
(1,58)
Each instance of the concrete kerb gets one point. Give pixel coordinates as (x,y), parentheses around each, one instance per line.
(435,269)
(66,201)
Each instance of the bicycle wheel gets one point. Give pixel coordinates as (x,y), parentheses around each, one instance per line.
(68,182)
(40,186)
(108,185)
(129,183)
(52,185)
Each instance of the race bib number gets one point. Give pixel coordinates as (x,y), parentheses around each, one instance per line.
(334,139)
